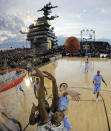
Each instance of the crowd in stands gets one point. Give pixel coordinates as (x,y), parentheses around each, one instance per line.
(93,48)
(20,57)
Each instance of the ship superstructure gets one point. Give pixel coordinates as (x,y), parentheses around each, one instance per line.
(41,35)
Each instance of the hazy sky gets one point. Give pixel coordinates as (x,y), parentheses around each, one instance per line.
(73,16)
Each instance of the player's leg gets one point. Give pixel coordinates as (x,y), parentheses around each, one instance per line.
(97,96)
(95,90)
(17,88)
(98,92)
(20,88)
(35,92)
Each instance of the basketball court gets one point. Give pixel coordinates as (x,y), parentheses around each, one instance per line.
(83,115)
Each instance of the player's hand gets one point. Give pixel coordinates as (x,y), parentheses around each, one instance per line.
(38,73)
(35,71)
(34,108)
(74,95)
(49,75)
(75,98)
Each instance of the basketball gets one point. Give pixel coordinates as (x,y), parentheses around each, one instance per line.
(72,44)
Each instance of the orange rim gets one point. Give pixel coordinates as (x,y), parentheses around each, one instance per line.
(10,84)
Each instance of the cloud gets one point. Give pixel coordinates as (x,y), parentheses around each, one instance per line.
(10,23)
(16,14)
(3,38)
(84,11)
(67,28)
(11,37)
(29,18)
(104,10)
(10,26)
(76,15)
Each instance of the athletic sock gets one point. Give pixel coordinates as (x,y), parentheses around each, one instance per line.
(96,99)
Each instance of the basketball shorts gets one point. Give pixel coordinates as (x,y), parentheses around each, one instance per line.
(97,89)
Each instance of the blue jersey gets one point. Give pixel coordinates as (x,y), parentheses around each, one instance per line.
(36,85)
(67,125)
(63,103)
(97,79)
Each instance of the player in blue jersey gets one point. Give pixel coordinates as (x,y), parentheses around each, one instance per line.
(36,87)
(64,101)
(18,87)
(97,84)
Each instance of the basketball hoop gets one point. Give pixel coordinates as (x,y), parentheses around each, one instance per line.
(10,84)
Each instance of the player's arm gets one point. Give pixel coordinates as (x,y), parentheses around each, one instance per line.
(33,71)
(104,81)
(94,80)
(45,90)
(41,97)
(33,119)
(55,99)
(74,95)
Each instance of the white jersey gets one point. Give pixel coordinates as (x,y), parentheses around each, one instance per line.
(51,127)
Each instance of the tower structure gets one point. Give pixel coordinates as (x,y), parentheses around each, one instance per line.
(41,35)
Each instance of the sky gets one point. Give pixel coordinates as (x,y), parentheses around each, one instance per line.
(73,17)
